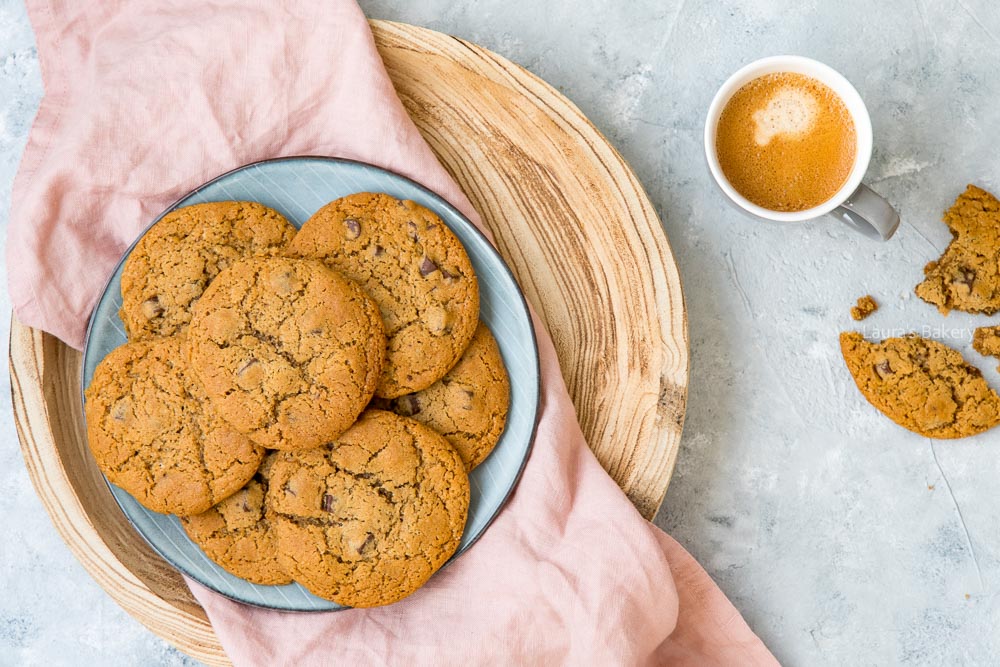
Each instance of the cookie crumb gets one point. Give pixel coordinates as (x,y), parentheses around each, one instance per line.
(986,341)
(930,487)
(866,306)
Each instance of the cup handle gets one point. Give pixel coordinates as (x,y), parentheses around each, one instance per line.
(869,213)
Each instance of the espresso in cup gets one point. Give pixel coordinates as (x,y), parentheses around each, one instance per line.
(786,142)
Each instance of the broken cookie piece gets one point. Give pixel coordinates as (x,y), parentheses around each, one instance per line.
(866,306)
(967,276)
(986,341)
(922,385)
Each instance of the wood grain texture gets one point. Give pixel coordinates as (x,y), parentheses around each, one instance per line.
(567,214)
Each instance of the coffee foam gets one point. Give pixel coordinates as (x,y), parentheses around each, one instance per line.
(786,141)
(790,112)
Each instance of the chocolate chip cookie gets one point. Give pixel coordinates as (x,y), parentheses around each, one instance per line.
(289,351)
(967,275)
(237,533)
(922,385)
(468,405)
(368,519)
(153,434)
(414,268)
(180,255)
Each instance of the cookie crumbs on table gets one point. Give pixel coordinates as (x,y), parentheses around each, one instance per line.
(866,306)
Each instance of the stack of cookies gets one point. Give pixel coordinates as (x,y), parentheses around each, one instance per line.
(310,403)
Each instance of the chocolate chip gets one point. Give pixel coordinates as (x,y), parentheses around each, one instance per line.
(427,267)
(447,274)
(412,231)
(883,369)
(966,276)
(353,228)
(408,405)
(379,250)
(315,332)
(328,502)
(151,308)
(367,544)
(246,504)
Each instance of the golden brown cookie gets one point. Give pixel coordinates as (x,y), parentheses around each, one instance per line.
(415,269)
(986,341)
(180,255)
(237,533)
(288,351)
(922,385)
(368,519)
(967,275)
(866,306)
(468,406)
(153,434)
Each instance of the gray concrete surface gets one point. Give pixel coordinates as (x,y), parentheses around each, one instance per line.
(843,539)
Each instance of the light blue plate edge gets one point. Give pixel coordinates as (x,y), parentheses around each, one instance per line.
(492,482)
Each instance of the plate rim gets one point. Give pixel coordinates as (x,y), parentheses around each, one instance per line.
(491,248)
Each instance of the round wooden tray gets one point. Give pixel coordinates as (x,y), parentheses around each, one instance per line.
(569,217)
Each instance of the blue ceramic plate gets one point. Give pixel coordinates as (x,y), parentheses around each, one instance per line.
(297,187)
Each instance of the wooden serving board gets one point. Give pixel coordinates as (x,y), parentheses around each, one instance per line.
(570,218)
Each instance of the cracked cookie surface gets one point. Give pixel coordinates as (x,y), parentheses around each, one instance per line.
(366,520)
(289,351)
(922,385)
(180,255)
(468,406)
(153,434)
(967,276)
(414,268)
(238,534)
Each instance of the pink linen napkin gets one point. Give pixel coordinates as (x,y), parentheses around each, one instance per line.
(144,101)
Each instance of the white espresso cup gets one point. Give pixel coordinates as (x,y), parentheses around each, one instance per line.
(855,203)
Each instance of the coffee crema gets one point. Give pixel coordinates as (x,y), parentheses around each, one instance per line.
(786,142)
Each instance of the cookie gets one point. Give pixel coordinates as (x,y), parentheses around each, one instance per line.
(153,434)
(237,533)
(922,385)
(288,351)
(180,255)
(468,405)
(414,268)
(368,519)
(986,341)
(967,275)
(866,306)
